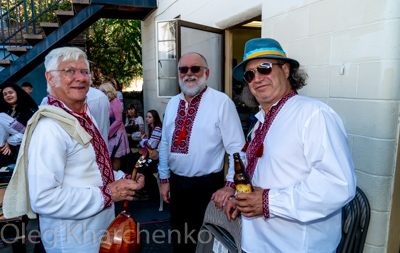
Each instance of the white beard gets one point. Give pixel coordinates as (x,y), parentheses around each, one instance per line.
(192,89)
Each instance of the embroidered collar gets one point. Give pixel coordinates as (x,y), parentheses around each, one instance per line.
(100,148)
(56,102)
(184,123)
(255,149)
(182,96)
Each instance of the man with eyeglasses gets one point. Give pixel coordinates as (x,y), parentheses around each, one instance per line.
(297,156)
(200,125)
(71,183)
(99,107)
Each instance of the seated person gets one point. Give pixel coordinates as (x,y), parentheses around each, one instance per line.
(11,133)
(154,125)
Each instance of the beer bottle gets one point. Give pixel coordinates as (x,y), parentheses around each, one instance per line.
(241,178)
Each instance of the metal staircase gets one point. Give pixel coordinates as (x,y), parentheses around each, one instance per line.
(32,28)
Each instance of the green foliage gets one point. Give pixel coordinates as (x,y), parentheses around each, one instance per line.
(38,10)
(115,48)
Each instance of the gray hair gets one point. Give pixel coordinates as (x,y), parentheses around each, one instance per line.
(204,58)
(297,78)
(63,54)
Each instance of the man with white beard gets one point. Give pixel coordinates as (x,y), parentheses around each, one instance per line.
(200,124)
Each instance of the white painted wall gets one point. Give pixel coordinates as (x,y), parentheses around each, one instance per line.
(361,36)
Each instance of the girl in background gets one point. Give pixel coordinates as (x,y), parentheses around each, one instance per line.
(15,102)
(154,127)
(134,127)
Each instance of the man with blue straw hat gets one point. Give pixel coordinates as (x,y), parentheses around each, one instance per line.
(297,156)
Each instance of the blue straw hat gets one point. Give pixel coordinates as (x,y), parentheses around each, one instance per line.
(261,48)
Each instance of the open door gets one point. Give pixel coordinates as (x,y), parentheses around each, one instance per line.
(207,41)
(177,37)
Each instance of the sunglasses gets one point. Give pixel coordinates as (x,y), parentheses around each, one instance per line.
(193,69)
(263,69)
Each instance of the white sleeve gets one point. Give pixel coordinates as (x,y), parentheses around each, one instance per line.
(231,132)
(119,175)
(7,132)
(331,182)
(15,139)
(163,149)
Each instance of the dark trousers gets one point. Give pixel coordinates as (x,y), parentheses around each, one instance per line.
(188,202)
(6,160)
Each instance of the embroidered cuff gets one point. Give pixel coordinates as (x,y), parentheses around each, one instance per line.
(164,181)
(230,184)
(127,176)
(106,196)
(265,198)
(18,126)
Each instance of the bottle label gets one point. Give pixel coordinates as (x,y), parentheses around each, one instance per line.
(243,188)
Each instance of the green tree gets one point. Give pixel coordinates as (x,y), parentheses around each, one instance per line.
(41,10)
(115,48)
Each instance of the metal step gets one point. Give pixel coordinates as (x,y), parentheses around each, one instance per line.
(78,5)
(18,51)
(5,62)
(78,41)
(64,16)
(49,27)
(132,9)
(33,39)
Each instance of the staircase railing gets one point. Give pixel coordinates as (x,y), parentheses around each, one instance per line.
(24,17)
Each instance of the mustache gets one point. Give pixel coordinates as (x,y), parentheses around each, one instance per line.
(191,78)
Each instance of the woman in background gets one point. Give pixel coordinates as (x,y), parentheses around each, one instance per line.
(134,127)
(118,144)
(154,126)
(15,102)
(118,88)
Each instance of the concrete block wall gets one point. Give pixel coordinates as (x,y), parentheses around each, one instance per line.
(351,51)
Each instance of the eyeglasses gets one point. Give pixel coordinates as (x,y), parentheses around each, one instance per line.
(264,69)
(74,72)
(193,69)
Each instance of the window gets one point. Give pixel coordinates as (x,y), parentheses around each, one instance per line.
(167,59)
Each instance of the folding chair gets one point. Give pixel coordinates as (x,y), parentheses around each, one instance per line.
(355,218)
(348,226)
(219,233)
(362,226)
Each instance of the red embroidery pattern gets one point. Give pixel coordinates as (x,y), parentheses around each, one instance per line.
(17,126)
(100,148)
(230,184)
(164,181)
(184,123)
(265,198)
(256,144)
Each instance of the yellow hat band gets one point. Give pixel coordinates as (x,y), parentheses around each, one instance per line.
(263,52)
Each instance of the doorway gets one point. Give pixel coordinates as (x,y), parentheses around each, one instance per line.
(239,35)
